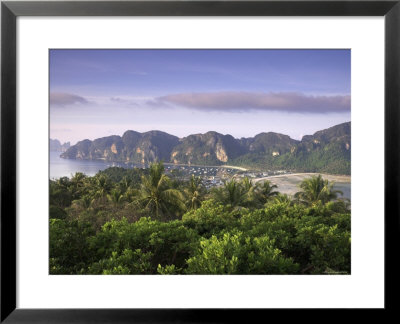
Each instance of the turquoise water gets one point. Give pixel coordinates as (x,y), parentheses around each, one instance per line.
(66,167)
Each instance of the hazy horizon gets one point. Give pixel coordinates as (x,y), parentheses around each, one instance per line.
(98,93)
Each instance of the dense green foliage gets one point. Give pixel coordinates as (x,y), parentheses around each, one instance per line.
(143,222)
(333,158)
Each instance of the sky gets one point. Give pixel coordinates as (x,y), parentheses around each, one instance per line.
(97,93)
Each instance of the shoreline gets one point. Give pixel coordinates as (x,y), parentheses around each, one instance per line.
(208,166)
(165,163)
(279,177)
(329,177)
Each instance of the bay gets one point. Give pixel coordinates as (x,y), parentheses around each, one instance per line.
(60,167)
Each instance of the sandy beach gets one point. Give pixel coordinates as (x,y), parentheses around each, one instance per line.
(289,183)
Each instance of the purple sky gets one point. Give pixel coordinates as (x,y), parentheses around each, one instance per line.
(95,93)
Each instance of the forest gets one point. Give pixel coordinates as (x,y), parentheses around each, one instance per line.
(332,159)
(143,221)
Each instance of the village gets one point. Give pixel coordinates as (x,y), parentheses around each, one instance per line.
(214,176)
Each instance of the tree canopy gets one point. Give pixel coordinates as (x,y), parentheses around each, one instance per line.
(145,222)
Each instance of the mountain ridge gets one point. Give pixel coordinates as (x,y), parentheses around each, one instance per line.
(326,150)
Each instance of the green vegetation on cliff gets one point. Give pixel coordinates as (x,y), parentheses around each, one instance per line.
(327,151)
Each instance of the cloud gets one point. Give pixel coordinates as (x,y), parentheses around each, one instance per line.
(122,101)
(274,101)
(158,103)
(64,99)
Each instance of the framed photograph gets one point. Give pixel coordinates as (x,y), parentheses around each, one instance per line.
(164,158)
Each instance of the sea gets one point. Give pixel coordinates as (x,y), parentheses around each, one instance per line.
(60,167)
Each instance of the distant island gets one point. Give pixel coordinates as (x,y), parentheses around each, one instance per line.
(327,151)
(56,146)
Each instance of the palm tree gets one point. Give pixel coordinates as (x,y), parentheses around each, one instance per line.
(232,193)
(266,191)
(156,193)
(77,184)
(116,197)
(283,198)
(77,179)
(59,192)
(85,202)
(124,184)
(194,193)
(131,194)
(102,187)
(316,189)
(250,191)
(63,182)
(247,184)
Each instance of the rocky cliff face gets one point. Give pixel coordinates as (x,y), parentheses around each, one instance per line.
(132,146)
(210,148)
(327,151)
(331,146)
(339,135)
(270,143)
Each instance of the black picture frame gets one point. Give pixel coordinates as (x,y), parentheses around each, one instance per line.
(10,10)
